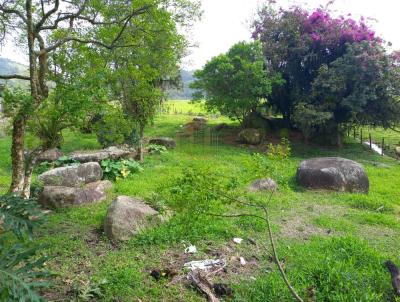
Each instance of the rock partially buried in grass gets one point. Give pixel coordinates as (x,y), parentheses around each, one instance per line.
(334,174)
(72,176)
(127,216)
(167,142)
(114,153)
(250,136)
(61,197)
(266,184)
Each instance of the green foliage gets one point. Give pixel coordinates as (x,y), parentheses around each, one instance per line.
(114,128)
(21,269)
(273,164)
(199,189)
(235,83)
(20,273)
(156,149)
(115,170)
(310,120)
(19,215)
(86,291)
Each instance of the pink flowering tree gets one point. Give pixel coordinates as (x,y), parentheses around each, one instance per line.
(304,47)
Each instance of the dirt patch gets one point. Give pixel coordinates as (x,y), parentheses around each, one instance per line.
(299,228)
(242,262)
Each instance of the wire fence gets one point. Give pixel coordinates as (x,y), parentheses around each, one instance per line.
(381,141)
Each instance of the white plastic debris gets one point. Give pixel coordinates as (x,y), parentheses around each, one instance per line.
(191,249)
(242,261)
(205,264)
(237,240)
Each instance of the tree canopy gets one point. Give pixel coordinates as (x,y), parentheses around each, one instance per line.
(236,83)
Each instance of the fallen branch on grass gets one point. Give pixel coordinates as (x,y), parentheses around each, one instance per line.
(202,283)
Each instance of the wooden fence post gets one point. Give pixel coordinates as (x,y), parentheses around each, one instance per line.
(383,145)
(361,136)
(370,141)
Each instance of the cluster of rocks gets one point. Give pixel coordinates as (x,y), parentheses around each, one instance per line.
(87,156)
(81,184)
(73,185)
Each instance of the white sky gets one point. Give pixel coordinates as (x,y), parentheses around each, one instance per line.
(226,22)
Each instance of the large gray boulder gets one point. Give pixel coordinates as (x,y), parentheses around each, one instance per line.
(114,153)
(50,155)
(333,173)
(250,136)
(61,197)
(266,184)
(167,142)
(126,217)
(72,176)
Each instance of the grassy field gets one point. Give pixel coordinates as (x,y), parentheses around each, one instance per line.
(333,244)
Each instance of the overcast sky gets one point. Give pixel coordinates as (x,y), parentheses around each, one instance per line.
(226,22)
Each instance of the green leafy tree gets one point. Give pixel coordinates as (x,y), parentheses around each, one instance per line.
(142,75)
(361,87)
(43,27)
(236,83)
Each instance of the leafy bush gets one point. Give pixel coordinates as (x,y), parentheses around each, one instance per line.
(114,128)
(274,164)
(21,270)
(156,149)
(115,170)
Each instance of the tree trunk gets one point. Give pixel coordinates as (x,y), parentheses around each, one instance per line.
(30,164)
(18,156)
(339,137)
(140,155)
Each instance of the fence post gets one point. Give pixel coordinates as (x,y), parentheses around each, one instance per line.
(370,141)
(383,145)
(361,136)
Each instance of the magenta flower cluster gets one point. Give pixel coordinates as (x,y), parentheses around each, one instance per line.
(323,29)
(331,32)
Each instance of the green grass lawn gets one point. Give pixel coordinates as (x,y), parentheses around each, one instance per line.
(331,243)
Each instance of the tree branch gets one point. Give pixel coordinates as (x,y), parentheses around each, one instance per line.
(14,76)
(6,10)
(47,15)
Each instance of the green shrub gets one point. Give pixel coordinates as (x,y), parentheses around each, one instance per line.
(114,170)
(156,149)
(275,164)
(114,128)
(21,269)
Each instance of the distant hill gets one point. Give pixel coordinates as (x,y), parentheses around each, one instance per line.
(185,93)
(8,66)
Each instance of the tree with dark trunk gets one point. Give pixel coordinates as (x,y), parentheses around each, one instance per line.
(46,26)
